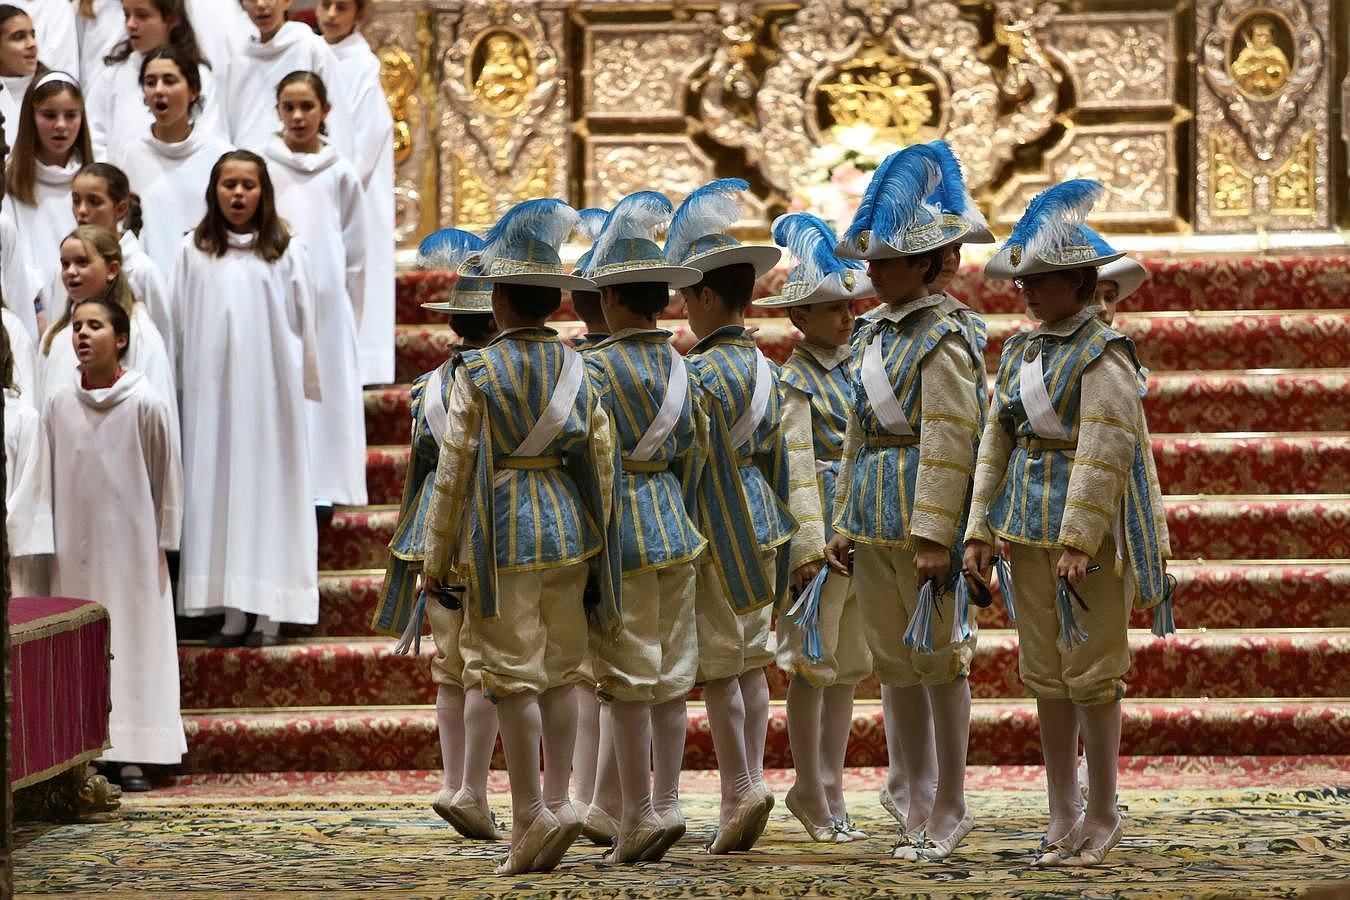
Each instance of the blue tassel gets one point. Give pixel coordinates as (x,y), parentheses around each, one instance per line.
(805,613)
(961,617)
(1163,623)
(412,635)
(1005,587)
(919,634)
(1070,632)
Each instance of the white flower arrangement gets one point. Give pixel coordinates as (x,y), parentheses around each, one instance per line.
(836,174)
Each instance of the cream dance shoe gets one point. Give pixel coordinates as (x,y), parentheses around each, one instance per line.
(936,851)
(634,846)
(560,839)
(522,856)
(466,816)
(749,808)
(673,828)
(888,803)
(755,830)
(1054,853)
(599,827)
(1093,856)
(822,834)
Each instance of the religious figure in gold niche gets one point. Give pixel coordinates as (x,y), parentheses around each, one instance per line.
(1261,67)
(880,91)
(398,77)
(504,75)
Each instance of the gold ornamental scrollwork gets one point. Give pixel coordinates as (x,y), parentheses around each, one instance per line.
(398,78)
(1294,186)
(930,54)
(1245,62)
(1232,188)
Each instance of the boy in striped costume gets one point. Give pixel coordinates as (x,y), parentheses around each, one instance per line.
(521,510)
(820,640)
(908,457)
(466,721)
(1066,477)
(644,672)
(760,483)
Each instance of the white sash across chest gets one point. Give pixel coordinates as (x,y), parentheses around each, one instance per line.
(668,415)
(433,406)
(880,394)
(1036,399)
(744,427)
(551,421)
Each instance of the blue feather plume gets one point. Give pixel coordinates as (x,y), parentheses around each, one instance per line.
(447,249)
(811,241)
(711,209)
(635,216)
(548,221)
(952,195)
(1053,216)
(902,183)
(592,219)
(1099,243)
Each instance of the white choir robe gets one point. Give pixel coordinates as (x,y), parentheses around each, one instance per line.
(24,350)
(54,22)
(145,353)
(12,89)
(148,285)
(249,100)
(222,28)
(373,157)
(28,498)
(117,112)
(319,196)
(115,514)
(97,36)
(250,540)
(18,279)
(171,179)
(43,225)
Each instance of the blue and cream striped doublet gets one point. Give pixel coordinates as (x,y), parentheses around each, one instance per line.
(831,393)
(976,334)
(744,492)
(657,498)
(879,499)
(406,550)
(1029,505)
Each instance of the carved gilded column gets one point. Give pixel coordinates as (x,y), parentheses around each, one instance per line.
(503,126)
(1262,115)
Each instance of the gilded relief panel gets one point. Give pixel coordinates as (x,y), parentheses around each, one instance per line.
(1118,60)
(617,166)
(1262,143)
(642,72)
(504,122)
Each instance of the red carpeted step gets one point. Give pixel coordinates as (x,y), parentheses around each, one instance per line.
(1187,464)
(1272,527)
(1003,732)
(369,673)
(1177,402)
(347,600)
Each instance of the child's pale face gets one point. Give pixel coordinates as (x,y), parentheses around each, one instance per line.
(1051,296)
(167,92)
(301,115)
(18,47)
(826,325)
(338,19)
(92,205)
(239,191)
(84,273)
(896,279)
(951,262)
(146,28)
(1108,295)
(97,344)
(267,15)
(59,119)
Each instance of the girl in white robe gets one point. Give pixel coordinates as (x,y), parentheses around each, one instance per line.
(222,30)
(18,281)
(54,21)
(117,489)
(23,351)
(276,50)
(118,112)
(91,245)
(319,196)
(250,540)
(18,64)
(169,166)
(373,157)
(51,146)
(28,489)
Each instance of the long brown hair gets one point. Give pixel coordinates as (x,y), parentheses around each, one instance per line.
(181,35)
(104,243)
(21,177)
(210,235)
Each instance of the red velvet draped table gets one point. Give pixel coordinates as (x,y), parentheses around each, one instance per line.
(59,665)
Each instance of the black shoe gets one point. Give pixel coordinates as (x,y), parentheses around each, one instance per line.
(221,639)
(262,639)
(129,783)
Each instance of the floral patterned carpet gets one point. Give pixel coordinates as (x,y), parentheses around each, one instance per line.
(1194,828)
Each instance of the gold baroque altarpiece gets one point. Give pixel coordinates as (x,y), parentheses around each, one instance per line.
(1212,116)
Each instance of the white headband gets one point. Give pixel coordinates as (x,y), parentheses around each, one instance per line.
(57,76)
